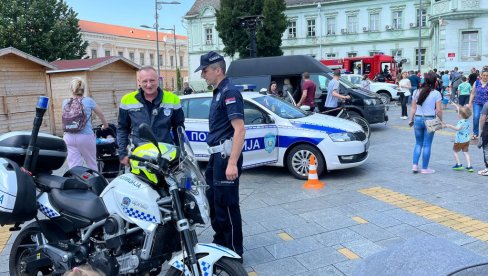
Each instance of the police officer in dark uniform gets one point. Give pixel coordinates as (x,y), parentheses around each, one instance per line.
(225,141)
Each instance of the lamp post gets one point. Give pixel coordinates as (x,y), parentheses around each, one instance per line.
(420,35)
(176,54)
(319,7)
(157,6)
(251,23)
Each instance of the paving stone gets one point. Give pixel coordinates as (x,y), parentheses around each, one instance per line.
(283,222)
(283,267)
(363,248)
(390,242)
(407,217)
(257,256)
(406,231)
(295,247)
(260,240)
(479,247)
(305,229)
(380,219)
(336,237)
(328,270)
(347,267)
(262,214)
(319,258)
(371,232)
(303,206)
(253,229)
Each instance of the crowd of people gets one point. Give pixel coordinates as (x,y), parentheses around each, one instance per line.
(429,94)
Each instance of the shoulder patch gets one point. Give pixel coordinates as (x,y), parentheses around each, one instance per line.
(230,100)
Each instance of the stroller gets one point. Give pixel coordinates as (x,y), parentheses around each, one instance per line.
(107,157)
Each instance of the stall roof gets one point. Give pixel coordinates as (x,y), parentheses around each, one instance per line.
(17,52)
(87,64)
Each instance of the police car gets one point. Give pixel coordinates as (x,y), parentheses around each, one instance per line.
(280,134)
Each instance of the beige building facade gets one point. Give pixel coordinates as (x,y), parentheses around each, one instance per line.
(139,46)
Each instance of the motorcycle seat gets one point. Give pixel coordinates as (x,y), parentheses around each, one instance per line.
(62,183)
(78,202)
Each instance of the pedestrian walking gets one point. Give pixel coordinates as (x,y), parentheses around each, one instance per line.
(483,143)
(426,105)
(225,140)
(464,90)
(405,87)
(478,97)
(77,125)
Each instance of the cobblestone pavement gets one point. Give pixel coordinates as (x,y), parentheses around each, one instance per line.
(361,211)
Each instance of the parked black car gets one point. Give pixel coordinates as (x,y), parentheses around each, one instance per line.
(261,71)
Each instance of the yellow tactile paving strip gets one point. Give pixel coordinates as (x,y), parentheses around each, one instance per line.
(4,236)
(475,228)
(348,253)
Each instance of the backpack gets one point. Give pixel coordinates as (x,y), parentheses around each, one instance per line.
(73,117)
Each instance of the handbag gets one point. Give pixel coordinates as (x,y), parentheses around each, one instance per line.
(433,124)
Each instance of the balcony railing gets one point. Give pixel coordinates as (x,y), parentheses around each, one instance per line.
(448,6)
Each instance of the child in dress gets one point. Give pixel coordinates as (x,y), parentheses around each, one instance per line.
(461,142)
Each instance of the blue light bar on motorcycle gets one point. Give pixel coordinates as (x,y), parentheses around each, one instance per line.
(42,102)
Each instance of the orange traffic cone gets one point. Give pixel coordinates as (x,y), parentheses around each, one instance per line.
(313,179)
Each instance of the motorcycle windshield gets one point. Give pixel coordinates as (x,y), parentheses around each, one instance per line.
(188,160)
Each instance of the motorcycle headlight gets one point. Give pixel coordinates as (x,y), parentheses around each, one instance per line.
(342,137)
(370,101)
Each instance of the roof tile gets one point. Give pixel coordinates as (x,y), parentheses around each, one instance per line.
(102,28)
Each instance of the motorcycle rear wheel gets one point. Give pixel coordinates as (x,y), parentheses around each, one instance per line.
(24,246)
(223,267)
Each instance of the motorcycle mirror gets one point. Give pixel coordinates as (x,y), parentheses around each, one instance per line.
(146,133)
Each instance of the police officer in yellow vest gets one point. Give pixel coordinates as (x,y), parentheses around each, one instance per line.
(160,109)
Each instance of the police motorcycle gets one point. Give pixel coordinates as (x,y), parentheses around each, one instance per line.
(131,228)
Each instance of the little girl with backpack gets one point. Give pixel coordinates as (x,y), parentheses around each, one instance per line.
(77,126)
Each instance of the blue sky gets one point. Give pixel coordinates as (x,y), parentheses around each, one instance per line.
(132,13)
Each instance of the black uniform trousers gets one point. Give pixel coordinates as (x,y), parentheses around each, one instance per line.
(223,197)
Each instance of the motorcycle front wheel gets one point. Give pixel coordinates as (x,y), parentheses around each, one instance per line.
(223,267)
(24,255)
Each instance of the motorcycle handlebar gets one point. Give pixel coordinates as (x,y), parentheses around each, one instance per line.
(137,158)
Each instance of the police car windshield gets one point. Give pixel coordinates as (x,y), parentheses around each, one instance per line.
(280,107)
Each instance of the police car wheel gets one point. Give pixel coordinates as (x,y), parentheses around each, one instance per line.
(298,160)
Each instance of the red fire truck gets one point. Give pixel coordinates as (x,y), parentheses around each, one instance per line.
(371,65)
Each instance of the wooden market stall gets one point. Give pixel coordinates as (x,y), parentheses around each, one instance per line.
(107,79)
(22,80)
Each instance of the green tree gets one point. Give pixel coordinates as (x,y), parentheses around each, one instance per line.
(178,80)
(47,29)
(274,24)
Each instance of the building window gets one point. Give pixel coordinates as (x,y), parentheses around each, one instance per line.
(352,54)
(131,56)
(422,56)
(396,53)
(374,22)
(310,27)
(423,22)
(93,53)
(208,36)
(107,53)
(352,24)
(469,44)
(181,61)
(292,29)
(330,55)
(374,52)
(331,26)
(397,20)
(151,59)
(121,54)
(141,58)
(171,61)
